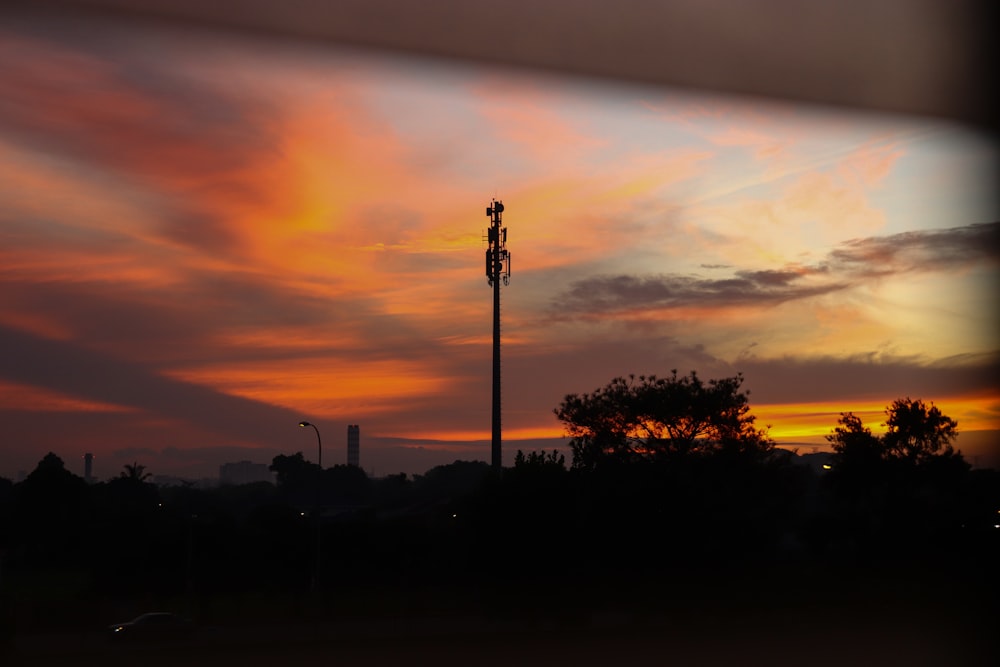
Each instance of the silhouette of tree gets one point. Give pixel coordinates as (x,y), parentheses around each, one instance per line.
(135,472)
(917,432)
(392,489)
(540,460)
(50,466)
(538,479)
(128,496)
(51,504)
(854,446)
(303,484)
(902,488)
(298,480)
(6,515)
(660,418)
(675,461)
(345,485)
(451,480)
(292,470)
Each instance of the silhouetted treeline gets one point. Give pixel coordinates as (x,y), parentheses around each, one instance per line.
(669,482)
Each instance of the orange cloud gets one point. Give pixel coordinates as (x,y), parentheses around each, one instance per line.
(588,214)
(27,398)
(523,114)
(322,386)
(871,162)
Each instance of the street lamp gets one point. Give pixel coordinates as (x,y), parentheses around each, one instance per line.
(319,442)
(319,483)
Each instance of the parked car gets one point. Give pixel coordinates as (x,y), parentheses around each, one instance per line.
(153,626)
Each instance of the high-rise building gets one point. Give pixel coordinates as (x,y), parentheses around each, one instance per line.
(354,445)
(88,468)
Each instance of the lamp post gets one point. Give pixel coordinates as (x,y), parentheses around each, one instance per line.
(319,486)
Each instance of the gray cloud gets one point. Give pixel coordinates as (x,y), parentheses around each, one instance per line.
(176,323)
(604,294)
(76,371)
(934,250)
(790,380)
(845,266)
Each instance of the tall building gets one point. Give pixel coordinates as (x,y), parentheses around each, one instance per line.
(88,468)
(354,445)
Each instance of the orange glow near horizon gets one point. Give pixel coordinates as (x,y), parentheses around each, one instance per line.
(789,421)
(973,413)
(484,435)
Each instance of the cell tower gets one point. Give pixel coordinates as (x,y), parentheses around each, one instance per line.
(497,270)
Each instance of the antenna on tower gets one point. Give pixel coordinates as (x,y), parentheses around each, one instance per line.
(497,271)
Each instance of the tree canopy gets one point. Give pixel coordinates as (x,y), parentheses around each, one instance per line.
(646,417)
(135,472)
(904,488)
(916,433)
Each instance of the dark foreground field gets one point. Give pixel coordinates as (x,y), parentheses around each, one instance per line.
(800,617)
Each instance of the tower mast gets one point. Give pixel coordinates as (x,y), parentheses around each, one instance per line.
(497,271)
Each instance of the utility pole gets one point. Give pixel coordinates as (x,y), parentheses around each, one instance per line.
(497,270)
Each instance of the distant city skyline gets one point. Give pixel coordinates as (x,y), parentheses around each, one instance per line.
(208,238)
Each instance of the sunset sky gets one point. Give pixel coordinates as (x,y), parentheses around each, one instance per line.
(207,237)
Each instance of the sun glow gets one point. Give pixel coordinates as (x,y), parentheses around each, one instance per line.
(973,413)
